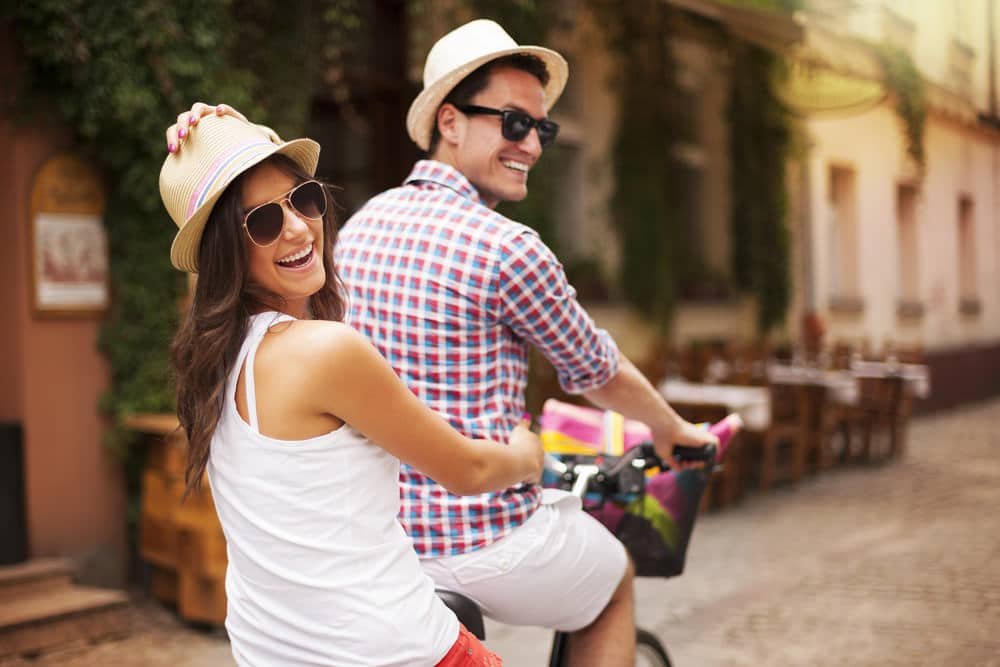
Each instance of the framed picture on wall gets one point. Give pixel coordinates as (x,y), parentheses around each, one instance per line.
(69,244)
(71,263)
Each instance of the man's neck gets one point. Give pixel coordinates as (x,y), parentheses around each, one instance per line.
(444,156)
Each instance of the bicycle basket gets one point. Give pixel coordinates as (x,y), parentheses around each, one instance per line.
(655,526)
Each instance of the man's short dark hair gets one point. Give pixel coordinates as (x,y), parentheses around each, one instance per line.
(476,82)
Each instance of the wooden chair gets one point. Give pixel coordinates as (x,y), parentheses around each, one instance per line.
(693,362)
(879,415)
(784,445)
(749,364)
(832,429)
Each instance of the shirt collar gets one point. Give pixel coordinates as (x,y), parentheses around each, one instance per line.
(439,173)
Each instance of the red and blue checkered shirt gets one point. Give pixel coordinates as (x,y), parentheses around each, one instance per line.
(452,293)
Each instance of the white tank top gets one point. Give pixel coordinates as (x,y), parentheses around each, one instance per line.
(320,571)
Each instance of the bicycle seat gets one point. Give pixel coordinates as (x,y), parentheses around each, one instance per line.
(467,611)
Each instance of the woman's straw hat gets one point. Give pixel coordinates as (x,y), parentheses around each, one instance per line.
(219,149)
(457,55)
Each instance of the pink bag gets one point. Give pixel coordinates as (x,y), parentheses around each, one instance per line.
(574,429)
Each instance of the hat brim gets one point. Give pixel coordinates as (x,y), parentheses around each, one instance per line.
(422,115)
(184,250)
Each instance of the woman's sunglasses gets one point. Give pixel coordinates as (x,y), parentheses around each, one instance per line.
(515,125)
(265,222)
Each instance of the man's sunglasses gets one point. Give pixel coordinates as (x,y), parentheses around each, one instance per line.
(515,125)
(265,222)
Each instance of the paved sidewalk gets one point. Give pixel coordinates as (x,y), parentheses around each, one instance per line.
(895,564)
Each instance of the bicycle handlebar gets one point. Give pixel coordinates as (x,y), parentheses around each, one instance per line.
(625,474)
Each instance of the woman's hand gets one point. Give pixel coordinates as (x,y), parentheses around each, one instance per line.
(179,131)
(528,446)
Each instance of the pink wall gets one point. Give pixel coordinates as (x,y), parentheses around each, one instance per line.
(52,377)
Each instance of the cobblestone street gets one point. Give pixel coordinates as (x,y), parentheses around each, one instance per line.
(895,564)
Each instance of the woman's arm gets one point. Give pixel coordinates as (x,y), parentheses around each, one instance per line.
(355,383)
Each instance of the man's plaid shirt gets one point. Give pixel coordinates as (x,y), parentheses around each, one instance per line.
(452,293)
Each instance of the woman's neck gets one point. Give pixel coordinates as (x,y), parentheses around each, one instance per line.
(299,309)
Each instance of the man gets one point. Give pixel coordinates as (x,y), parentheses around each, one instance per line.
(453,293)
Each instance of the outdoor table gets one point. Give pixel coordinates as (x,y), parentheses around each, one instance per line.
(753,404)
(830,402)
(899,384)
(841,386)
(916,377)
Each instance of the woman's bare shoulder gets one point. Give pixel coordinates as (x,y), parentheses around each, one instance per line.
(318,343)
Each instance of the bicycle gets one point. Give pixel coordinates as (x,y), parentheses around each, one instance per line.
(598,479)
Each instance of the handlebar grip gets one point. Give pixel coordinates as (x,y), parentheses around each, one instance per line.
(684,453)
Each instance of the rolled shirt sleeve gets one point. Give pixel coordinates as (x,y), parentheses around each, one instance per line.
(539,305)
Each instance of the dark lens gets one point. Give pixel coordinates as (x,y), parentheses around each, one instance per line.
(309,199)
(265,222)
(516,125)
(547,131)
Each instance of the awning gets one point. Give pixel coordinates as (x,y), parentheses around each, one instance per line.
(769,29)
(830,71)
(849,65)
(813,89)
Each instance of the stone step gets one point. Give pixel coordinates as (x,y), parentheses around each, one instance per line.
(33,576)
(34,622)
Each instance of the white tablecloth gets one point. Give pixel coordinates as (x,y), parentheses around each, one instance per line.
(842,386)
(916,377)
(753,404)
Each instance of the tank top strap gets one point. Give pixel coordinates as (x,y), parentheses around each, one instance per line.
(259,325)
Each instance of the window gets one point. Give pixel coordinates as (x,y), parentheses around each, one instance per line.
(358,113)
(909,267)
(843,240)
(703,271)
(967,290)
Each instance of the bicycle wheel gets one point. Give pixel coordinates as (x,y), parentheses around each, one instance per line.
(649,652)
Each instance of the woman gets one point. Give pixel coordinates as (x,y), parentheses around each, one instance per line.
(300,423)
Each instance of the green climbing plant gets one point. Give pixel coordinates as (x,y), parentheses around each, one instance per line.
(903,79)
(642,204)
(117,73)
(760,142)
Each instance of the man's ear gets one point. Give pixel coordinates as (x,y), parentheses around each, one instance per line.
(449,123)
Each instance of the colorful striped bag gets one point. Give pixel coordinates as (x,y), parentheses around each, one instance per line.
(654,525)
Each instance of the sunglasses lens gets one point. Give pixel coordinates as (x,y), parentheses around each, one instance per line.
(309,199)
(264,223)
(516,125)
(547,131)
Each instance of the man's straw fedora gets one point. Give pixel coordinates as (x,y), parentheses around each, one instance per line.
(219,149)
(457,55)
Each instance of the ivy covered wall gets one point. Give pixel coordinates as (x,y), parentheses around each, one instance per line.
(118,72)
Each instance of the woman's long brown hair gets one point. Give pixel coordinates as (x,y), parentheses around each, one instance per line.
(212,331)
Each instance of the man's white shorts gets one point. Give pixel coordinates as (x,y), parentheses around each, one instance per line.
(557,570)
